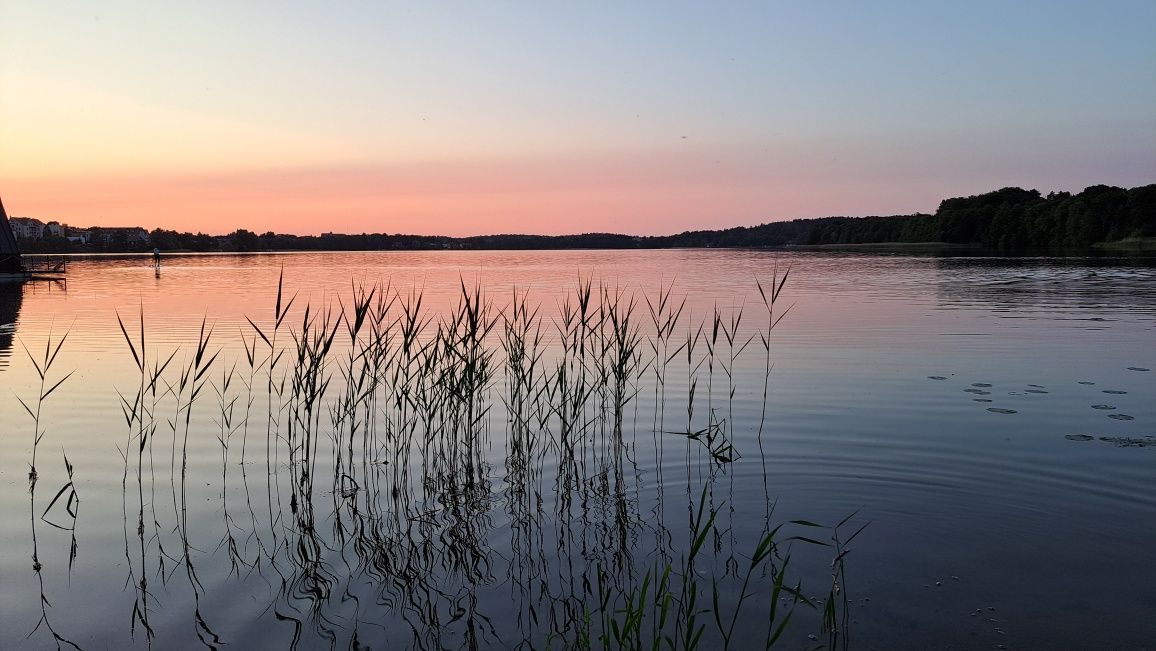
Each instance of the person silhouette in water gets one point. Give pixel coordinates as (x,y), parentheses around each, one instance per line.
(157,258)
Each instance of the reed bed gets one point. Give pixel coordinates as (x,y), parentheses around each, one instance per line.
(418,462)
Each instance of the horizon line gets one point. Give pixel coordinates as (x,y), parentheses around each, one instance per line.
(574,234)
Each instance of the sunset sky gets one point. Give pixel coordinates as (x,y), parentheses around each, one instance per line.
(534,117)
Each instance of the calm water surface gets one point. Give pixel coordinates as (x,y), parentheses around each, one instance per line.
(935,398)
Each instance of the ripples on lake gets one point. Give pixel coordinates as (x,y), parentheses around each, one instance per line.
(991,419)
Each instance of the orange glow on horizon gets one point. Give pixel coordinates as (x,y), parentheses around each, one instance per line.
(637,194)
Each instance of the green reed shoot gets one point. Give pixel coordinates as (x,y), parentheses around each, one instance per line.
(46,388)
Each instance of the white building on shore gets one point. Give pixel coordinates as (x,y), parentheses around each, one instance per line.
(27,228)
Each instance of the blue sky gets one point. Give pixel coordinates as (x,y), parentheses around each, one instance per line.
(648,117)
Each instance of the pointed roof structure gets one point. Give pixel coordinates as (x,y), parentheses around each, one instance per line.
(9,252)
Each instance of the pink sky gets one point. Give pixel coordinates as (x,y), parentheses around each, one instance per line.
(636,194)
(633,194)
(529,118)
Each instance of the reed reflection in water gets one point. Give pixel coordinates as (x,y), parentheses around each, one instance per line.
(361,497)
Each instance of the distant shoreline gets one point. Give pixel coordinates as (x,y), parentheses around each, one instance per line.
(1124,247)
(1101,218)
(1128,244)
(887,245)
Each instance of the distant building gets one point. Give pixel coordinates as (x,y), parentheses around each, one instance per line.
(79,235)
(27,228)
(107,235)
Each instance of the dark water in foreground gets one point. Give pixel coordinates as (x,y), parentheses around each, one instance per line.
(944,401)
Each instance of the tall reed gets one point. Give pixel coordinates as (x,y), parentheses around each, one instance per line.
(43,366)
(384,492)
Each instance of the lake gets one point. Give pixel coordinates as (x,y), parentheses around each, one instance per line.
(514,448)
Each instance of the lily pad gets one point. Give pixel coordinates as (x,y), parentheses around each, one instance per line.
(980,384)
(979,392)
(1138,368)
(936,377)
(981,399)
(1121,417)
(1034,391)
(1001,410)
(1085,382)
(1078,437)
(1115,392)
(1103,407)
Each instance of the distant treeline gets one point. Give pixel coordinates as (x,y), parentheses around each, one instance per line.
(1011,219)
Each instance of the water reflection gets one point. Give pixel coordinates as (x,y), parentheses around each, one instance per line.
(358,500)
(433,480)
(1050,288)
(11,296)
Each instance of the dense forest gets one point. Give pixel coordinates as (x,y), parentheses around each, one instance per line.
(1011,219)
